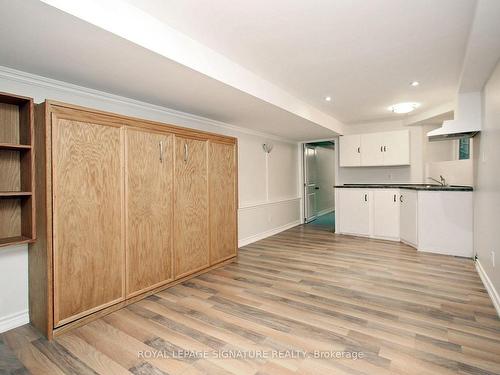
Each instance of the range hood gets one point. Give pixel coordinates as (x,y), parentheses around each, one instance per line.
(467,122)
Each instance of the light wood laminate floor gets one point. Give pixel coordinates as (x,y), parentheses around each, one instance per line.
(304,293)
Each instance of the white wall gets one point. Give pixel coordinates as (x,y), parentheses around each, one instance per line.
(441,159)
(268,184)
(487,189)
(399,174)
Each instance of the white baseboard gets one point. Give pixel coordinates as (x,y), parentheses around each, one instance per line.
(495,298)
(325,211)
(272,232)
(14,320)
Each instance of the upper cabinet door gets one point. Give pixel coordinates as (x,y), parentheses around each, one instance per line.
(372,149)
(223,201)
(149,202)
(88,238)
(350,151)
(396,147)
(191,239)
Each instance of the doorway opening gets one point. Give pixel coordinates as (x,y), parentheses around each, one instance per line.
(319,184)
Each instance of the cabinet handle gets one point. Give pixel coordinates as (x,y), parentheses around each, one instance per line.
(161,151)
(381,149)
(186,152)
(366,197)
(385,148)
(401,198)
(394,197)
(359,150)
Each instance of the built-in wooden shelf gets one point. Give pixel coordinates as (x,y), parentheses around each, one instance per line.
(17,198)
(8,241)
(13,194)
(14,146)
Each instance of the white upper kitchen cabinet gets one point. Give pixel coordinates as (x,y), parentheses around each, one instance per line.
(350,150)
(353,211)
(386,213)
(372,149)
(375,149)
(396,147)
(408,214)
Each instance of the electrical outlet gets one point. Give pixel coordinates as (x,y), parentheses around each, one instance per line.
(493,258)
(390,176)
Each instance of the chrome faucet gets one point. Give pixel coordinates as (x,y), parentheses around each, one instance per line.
(442,181)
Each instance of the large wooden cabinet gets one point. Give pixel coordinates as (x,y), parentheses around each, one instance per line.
(126,207)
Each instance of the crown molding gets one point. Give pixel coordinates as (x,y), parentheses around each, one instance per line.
(44,82)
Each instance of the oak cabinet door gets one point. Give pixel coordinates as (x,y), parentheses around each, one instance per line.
(88,233)
(191,240)
(149,209)
(222,182)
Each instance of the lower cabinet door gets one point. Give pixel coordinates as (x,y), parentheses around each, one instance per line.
(354,211)
(191,238)
(408,212)
(386,213)
(88,238)
(149,199)
(223,195)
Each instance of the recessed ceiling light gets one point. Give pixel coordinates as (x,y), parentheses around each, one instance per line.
(414,83)
(403,107)
(328,98)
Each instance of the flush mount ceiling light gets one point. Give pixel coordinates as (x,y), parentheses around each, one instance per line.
(403,107)
(414,83)
(328,98)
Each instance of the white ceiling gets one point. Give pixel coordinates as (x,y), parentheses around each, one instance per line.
(40,39)
(362,53)
(264,65)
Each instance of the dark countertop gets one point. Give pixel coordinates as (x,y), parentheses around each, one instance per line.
(428,187)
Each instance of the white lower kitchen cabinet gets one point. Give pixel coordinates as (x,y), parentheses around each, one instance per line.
(385,214)
(431,221)
(445,222)
(352,210)
(408,216)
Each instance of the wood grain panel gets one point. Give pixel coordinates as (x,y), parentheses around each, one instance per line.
(149,197)
(88,220)
(223,201)
(10,171)
(10,218)
(40,264)
(9,123)
(191,240)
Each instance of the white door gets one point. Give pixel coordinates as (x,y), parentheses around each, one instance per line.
(353,211)
(386,213)
(372,150)
(349,151)
(408,213)
(396,146)
(310,183)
